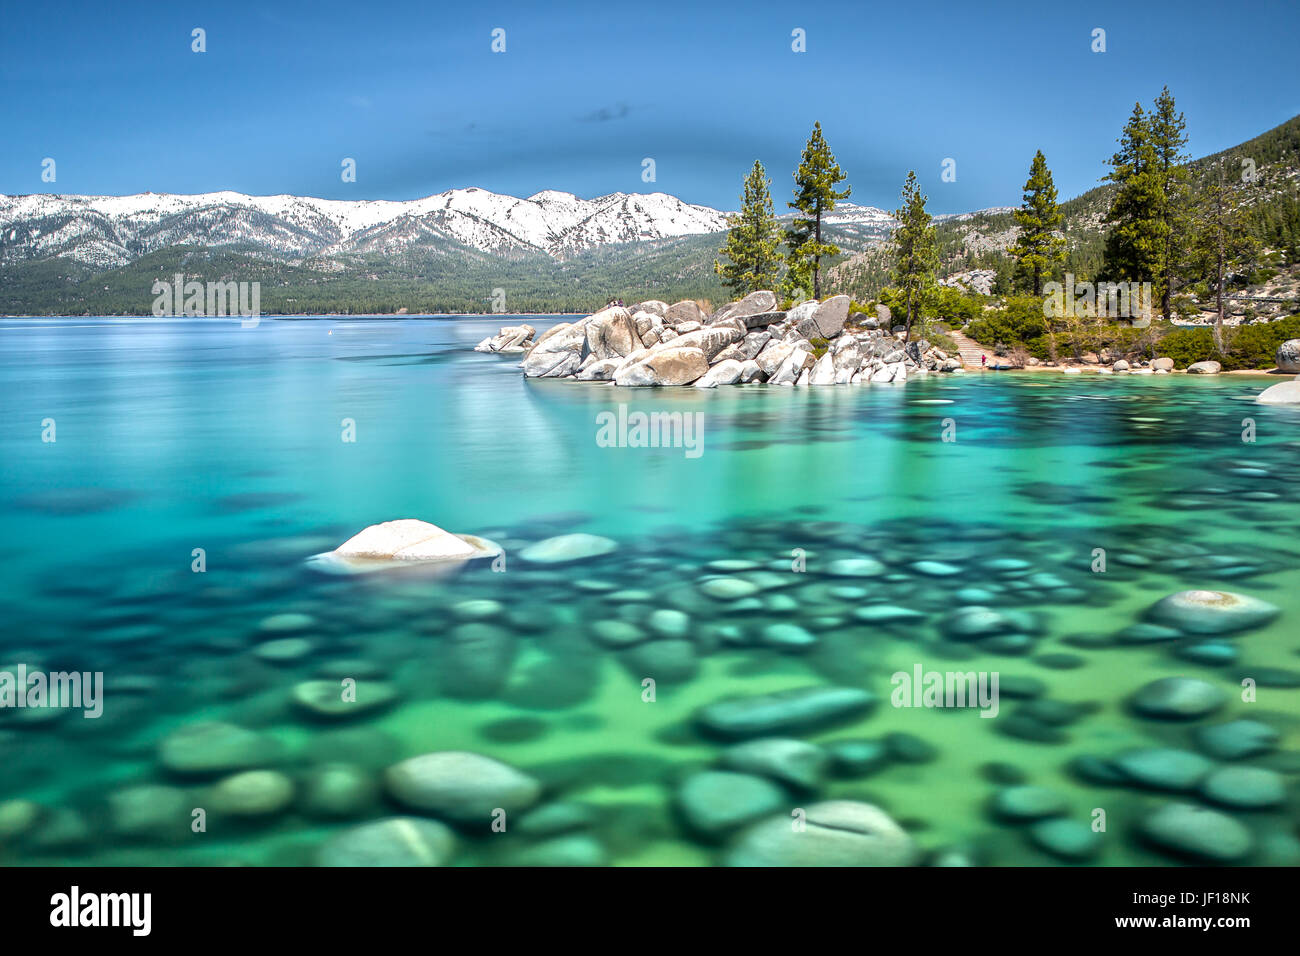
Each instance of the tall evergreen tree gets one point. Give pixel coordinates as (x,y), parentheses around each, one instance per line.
(754,240)
(815,195)
(1221,240)
(913,247)
(1136,244)
(1037,247)
(1168,137)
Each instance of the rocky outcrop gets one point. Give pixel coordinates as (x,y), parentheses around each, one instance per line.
(1205,368)
(666,366)
(1288,356)
(512,338)
(745,342)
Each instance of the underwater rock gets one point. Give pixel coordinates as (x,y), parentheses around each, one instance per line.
(150,811)
(1236,739)
(1212,612)
(556,818)
(335,701)
(1028,803)
(1178,698)
(784,759)
(887,614)
(213,747)
(284,650)
(253,793)
(1283,393)
(1203,835)
(337,790)
(395,841)
(568,549)
(477,609)
(667,661)
(404,542)
(909,748)
(836,833)
(286,623)
(713,802)
(669,623)
(975,622)
(860,567)
(784,711)
(1163,768)
(1244,788)
(857,758)
(1070,840)
(728,589)
(790,637)
(475,661)
(462,786)
(616,634)
(573,849)
(17,817)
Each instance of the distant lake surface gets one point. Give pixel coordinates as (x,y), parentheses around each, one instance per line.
(176,435)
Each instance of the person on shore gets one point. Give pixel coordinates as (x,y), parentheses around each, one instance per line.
(984,361)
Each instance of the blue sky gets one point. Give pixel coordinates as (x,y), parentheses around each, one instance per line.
(586,91)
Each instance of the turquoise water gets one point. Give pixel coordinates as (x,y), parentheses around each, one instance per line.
(181,435)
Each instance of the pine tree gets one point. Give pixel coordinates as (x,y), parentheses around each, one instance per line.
(1136,243)
(815,195)
(913,247)
(1168,137)
(1037,247)
(753,242)
(1221,240)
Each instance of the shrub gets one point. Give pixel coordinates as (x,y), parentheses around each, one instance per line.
(1245,347)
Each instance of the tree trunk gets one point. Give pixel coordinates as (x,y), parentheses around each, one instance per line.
(817,259)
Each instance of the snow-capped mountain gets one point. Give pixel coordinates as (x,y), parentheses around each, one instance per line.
(111,231)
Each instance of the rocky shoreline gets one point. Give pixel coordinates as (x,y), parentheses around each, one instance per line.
(753,342)
(746,342)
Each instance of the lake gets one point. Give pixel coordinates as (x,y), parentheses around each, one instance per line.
(813,538)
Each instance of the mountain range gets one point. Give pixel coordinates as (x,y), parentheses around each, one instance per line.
(107,232)
(459,250)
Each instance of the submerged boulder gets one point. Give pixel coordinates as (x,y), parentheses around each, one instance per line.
(395,841)
(835,833)
(461,786)
(406,541)
(1212,612)
(1283,393)
(568,549)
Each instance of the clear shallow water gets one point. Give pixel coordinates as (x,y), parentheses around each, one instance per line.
(179,435)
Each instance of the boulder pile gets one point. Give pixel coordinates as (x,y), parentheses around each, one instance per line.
(746,342)
(512,338)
